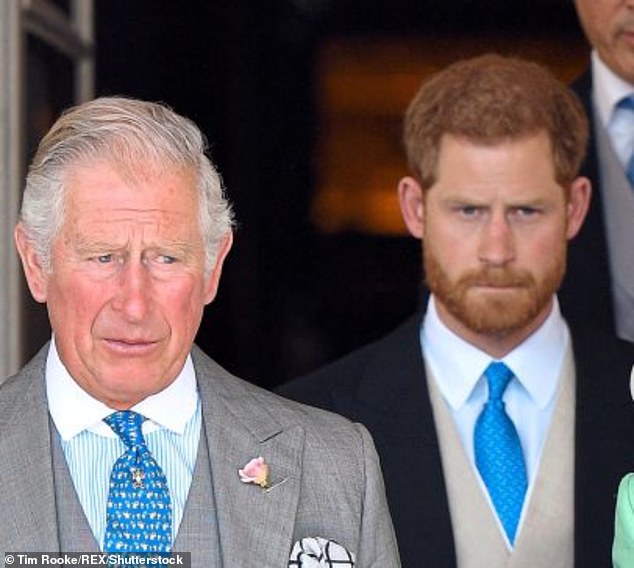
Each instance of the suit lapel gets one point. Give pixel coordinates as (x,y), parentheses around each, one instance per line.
(392,400)
(198,530)
(27,498)
(255,525)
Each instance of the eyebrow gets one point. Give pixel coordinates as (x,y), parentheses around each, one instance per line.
(477,202)
(88,245)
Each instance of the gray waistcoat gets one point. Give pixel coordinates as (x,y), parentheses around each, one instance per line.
(197,533)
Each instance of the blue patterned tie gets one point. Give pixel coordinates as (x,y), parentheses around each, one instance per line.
(498,452)
(628,104)
(139,511)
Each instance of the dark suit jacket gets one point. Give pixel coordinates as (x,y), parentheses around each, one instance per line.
(586,294)
(383,385)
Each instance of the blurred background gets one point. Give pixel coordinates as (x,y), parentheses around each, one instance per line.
(301,101)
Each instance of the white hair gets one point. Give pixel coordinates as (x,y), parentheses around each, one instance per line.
(125,132)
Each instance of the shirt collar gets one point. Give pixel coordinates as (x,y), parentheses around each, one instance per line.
(171,408)
(536,362)
(607,88)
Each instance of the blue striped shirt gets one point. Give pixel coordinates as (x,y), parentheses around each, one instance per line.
(172,433)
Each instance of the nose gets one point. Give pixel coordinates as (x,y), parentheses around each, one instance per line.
(133,297)
(497,241)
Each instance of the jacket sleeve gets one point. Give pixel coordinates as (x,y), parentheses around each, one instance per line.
(377,541)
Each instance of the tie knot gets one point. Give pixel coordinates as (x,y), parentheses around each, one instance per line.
(127,425)
(627,103)
(498,377)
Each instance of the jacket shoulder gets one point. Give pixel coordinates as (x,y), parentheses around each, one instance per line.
(346,375)
(268,411)
(17,390)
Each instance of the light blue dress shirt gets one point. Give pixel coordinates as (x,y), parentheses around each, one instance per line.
(172,433)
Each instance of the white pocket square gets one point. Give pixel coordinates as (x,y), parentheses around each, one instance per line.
(317,552)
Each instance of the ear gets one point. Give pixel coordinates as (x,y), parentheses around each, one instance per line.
(578,205)
(35,273)
(410,197)
(213,280)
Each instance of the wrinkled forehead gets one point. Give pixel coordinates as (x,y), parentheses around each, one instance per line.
(137,173)
(106,189)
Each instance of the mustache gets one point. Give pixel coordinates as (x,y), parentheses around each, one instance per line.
(497,277)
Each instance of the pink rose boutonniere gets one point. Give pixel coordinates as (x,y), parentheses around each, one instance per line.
(256,471)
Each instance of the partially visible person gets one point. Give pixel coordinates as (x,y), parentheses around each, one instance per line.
(502,433)
(120,435)
(599,285)
(623,547)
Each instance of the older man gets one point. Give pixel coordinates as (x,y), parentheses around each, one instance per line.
(599,285)
(502,436)
(122,436)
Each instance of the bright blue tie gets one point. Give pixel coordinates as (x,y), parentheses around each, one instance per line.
(498,452)
(139,511)
(628,104)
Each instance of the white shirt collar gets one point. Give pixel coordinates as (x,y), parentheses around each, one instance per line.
(536,362)
(607,88)
(74,410)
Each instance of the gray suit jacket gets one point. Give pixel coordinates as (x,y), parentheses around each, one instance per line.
(333,486)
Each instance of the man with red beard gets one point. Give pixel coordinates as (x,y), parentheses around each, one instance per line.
(502,433)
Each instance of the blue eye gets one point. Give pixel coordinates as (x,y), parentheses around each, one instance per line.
(469,211)
(104,258)
(526,212)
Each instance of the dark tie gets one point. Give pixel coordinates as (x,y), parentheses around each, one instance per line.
(498,452)
(139,511)
(628,104)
